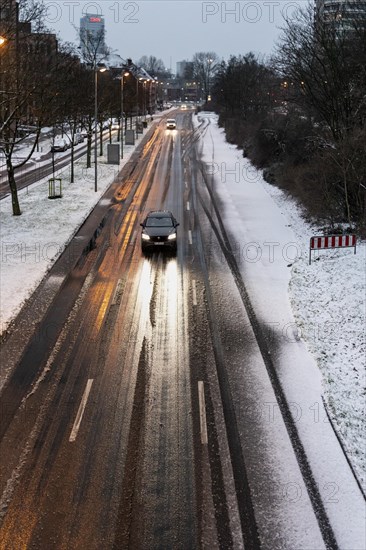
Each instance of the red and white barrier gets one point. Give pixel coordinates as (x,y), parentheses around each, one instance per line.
(331,241)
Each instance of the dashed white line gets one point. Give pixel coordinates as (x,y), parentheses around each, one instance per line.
(202,407)
(190,236)
(188,205)
(79,416)
(194,292)
(134,236)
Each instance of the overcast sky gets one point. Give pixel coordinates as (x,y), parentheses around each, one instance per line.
(176,30)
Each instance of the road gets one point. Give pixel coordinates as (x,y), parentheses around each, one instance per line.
(131,419)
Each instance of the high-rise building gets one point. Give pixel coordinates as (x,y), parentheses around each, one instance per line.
(341,14)
(92,35)
(183,67)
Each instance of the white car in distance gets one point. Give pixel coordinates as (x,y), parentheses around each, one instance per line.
(171,124)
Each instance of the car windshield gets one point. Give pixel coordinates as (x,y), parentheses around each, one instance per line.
(159,221)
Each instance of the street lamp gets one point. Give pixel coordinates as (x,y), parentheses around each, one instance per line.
(121,128)
(2,40)
(144,98)
(137,104)
(208,98)
(96,70)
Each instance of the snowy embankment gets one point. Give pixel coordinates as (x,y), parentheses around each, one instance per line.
(328,299)
(321,307)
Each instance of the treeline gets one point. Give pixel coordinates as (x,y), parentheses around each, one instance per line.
(302,116)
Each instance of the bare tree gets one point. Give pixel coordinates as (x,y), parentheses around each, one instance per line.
(321,71)
(27,68)
(205,65)
(94,53)
(74,97)
(322,63)
(152,65)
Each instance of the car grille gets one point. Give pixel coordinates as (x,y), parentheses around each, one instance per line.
(158,239)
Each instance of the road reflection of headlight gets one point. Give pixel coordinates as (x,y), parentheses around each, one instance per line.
(145,287)
(171,284)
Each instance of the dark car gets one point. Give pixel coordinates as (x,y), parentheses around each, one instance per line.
(159,231)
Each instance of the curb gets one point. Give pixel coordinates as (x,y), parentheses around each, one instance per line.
(340,441)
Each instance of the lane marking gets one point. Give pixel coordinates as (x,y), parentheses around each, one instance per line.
(79,416)
(190,236)
(194,293)
(116,292)
(133,237)
(188,207)
(202,407)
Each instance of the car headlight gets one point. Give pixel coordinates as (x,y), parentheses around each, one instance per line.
(172,236)
(145,237)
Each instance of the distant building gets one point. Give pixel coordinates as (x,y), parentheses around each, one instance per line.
(183,67)
(92,35)
(22,45)
(343,15)
(180,89)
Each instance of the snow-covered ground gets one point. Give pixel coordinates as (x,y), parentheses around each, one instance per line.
(328,300)
(319,309)
(322,305)
(22,151)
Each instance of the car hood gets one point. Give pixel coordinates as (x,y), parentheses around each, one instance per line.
(159,231)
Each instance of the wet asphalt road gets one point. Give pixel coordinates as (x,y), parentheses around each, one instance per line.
(128,420)
(126,478)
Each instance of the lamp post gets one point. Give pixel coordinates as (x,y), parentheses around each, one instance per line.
(96,70)
(2,42)
(137,104)
(144,98)
(121,132)
(208,98)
